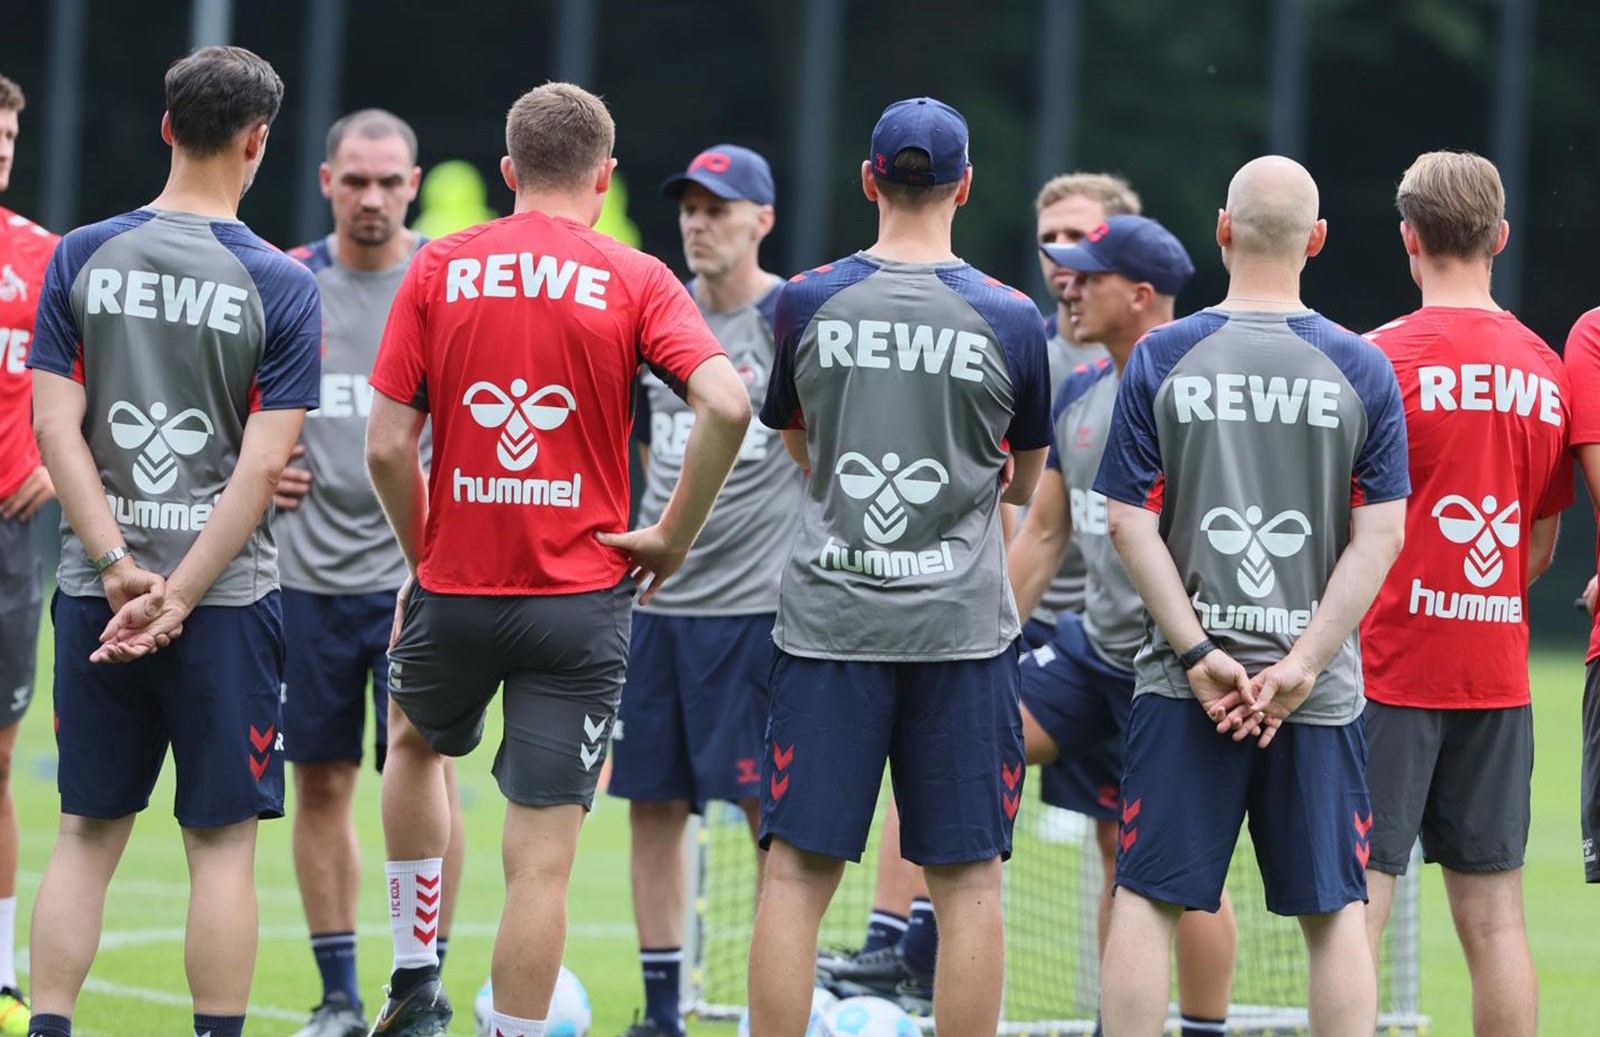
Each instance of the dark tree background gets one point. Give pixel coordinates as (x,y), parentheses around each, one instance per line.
(1173,94)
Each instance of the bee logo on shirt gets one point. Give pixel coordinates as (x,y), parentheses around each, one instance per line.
(160,441)
(1486,529)
(518,415)
(1232,533)
(12,286)
(889,490)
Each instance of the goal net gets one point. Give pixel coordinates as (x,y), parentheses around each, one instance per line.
(1052,887)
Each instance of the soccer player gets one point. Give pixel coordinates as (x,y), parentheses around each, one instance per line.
(520,339)
(1582,359)
(1445,648)
(341,568)
(174,358)
(903,377)
(694,707)
(25,249)
(1256,483)
(1077,688)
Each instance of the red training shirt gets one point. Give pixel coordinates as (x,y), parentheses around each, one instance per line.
(1487,419)
(25,251)
(1583,370)
(521,339)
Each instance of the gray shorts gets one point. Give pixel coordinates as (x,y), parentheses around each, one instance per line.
(562,659)
(1589,794)
(1461,778)
(20,605)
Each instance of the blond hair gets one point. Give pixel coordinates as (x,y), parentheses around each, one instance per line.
(1113,193)
(1454,201)
(557,135)
(11,99)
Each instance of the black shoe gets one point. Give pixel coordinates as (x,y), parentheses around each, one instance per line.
(914,995)
(643,1028)
(422,1011)
(872,973)
(337,1016)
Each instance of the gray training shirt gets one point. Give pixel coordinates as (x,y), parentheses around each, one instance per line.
(1113,614)
(734,566)
(1255,435)
(907,378)
(180,327)
(338,541)
(1066,590)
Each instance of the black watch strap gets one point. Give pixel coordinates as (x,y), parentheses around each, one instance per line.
(1188,659)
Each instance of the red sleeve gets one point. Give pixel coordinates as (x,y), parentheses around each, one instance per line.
(1559,494)
(400,371)
(673,336)
(1583,378)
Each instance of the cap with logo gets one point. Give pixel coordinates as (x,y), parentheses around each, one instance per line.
(727,171)
(1136,247)
(927,125)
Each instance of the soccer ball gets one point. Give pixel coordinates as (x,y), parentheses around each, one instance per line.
(569,1016)
(821,1001)
(867,1017)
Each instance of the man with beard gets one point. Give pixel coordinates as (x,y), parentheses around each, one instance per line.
(341,565)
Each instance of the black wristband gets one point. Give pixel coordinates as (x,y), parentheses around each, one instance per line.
(1188,659)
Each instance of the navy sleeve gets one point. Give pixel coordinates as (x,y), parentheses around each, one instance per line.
(1019,328)
(641,411)
(56,346)
(793,306)
(1077,382)
(1382,470)
(290,374)
(1130,469)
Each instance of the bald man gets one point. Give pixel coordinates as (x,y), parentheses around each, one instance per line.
(1256,495)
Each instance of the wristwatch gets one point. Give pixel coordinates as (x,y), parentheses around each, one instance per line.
(110,558)
(1188,659)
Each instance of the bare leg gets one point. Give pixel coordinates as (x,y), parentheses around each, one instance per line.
(752,816)
(1208,945)
(8,815)
(783,947)
(219,948)
(659,883)
(537,853)
(416,802)
(1134,976)
(70,908)
(1105,838)
(1487,908)
(327,854)
(1344,983)
(1380,900)
(970,975)
(455,857)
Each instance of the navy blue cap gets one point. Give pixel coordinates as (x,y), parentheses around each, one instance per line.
(927,125)
(1136,247)
(727,171)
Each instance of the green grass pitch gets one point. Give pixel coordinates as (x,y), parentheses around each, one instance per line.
(137,985)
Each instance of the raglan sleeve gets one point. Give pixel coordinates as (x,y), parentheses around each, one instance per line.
(1131,469)
(400,371)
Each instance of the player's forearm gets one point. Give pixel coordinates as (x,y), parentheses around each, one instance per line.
(1136,534)
(794,441)
(1025,479)
(1032,560)
(1542,546)
(1377,534)
(403,492)
(263,453)
(58,427)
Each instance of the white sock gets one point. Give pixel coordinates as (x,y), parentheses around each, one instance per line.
(415,888)
(8,941)
(502,1025)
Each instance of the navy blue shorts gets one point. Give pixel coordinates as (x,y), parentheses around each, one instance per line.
(1187,790)
(694,709)
(1082,702)
(1036,632)
(950,731)
(338,649)
(213,694)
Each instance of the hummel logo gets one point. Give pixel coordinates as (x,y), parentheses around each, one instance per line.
(593,745)
(20,697)
(517,416)
(886,518)
(1487,531)
(160,442)
(1281,536)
